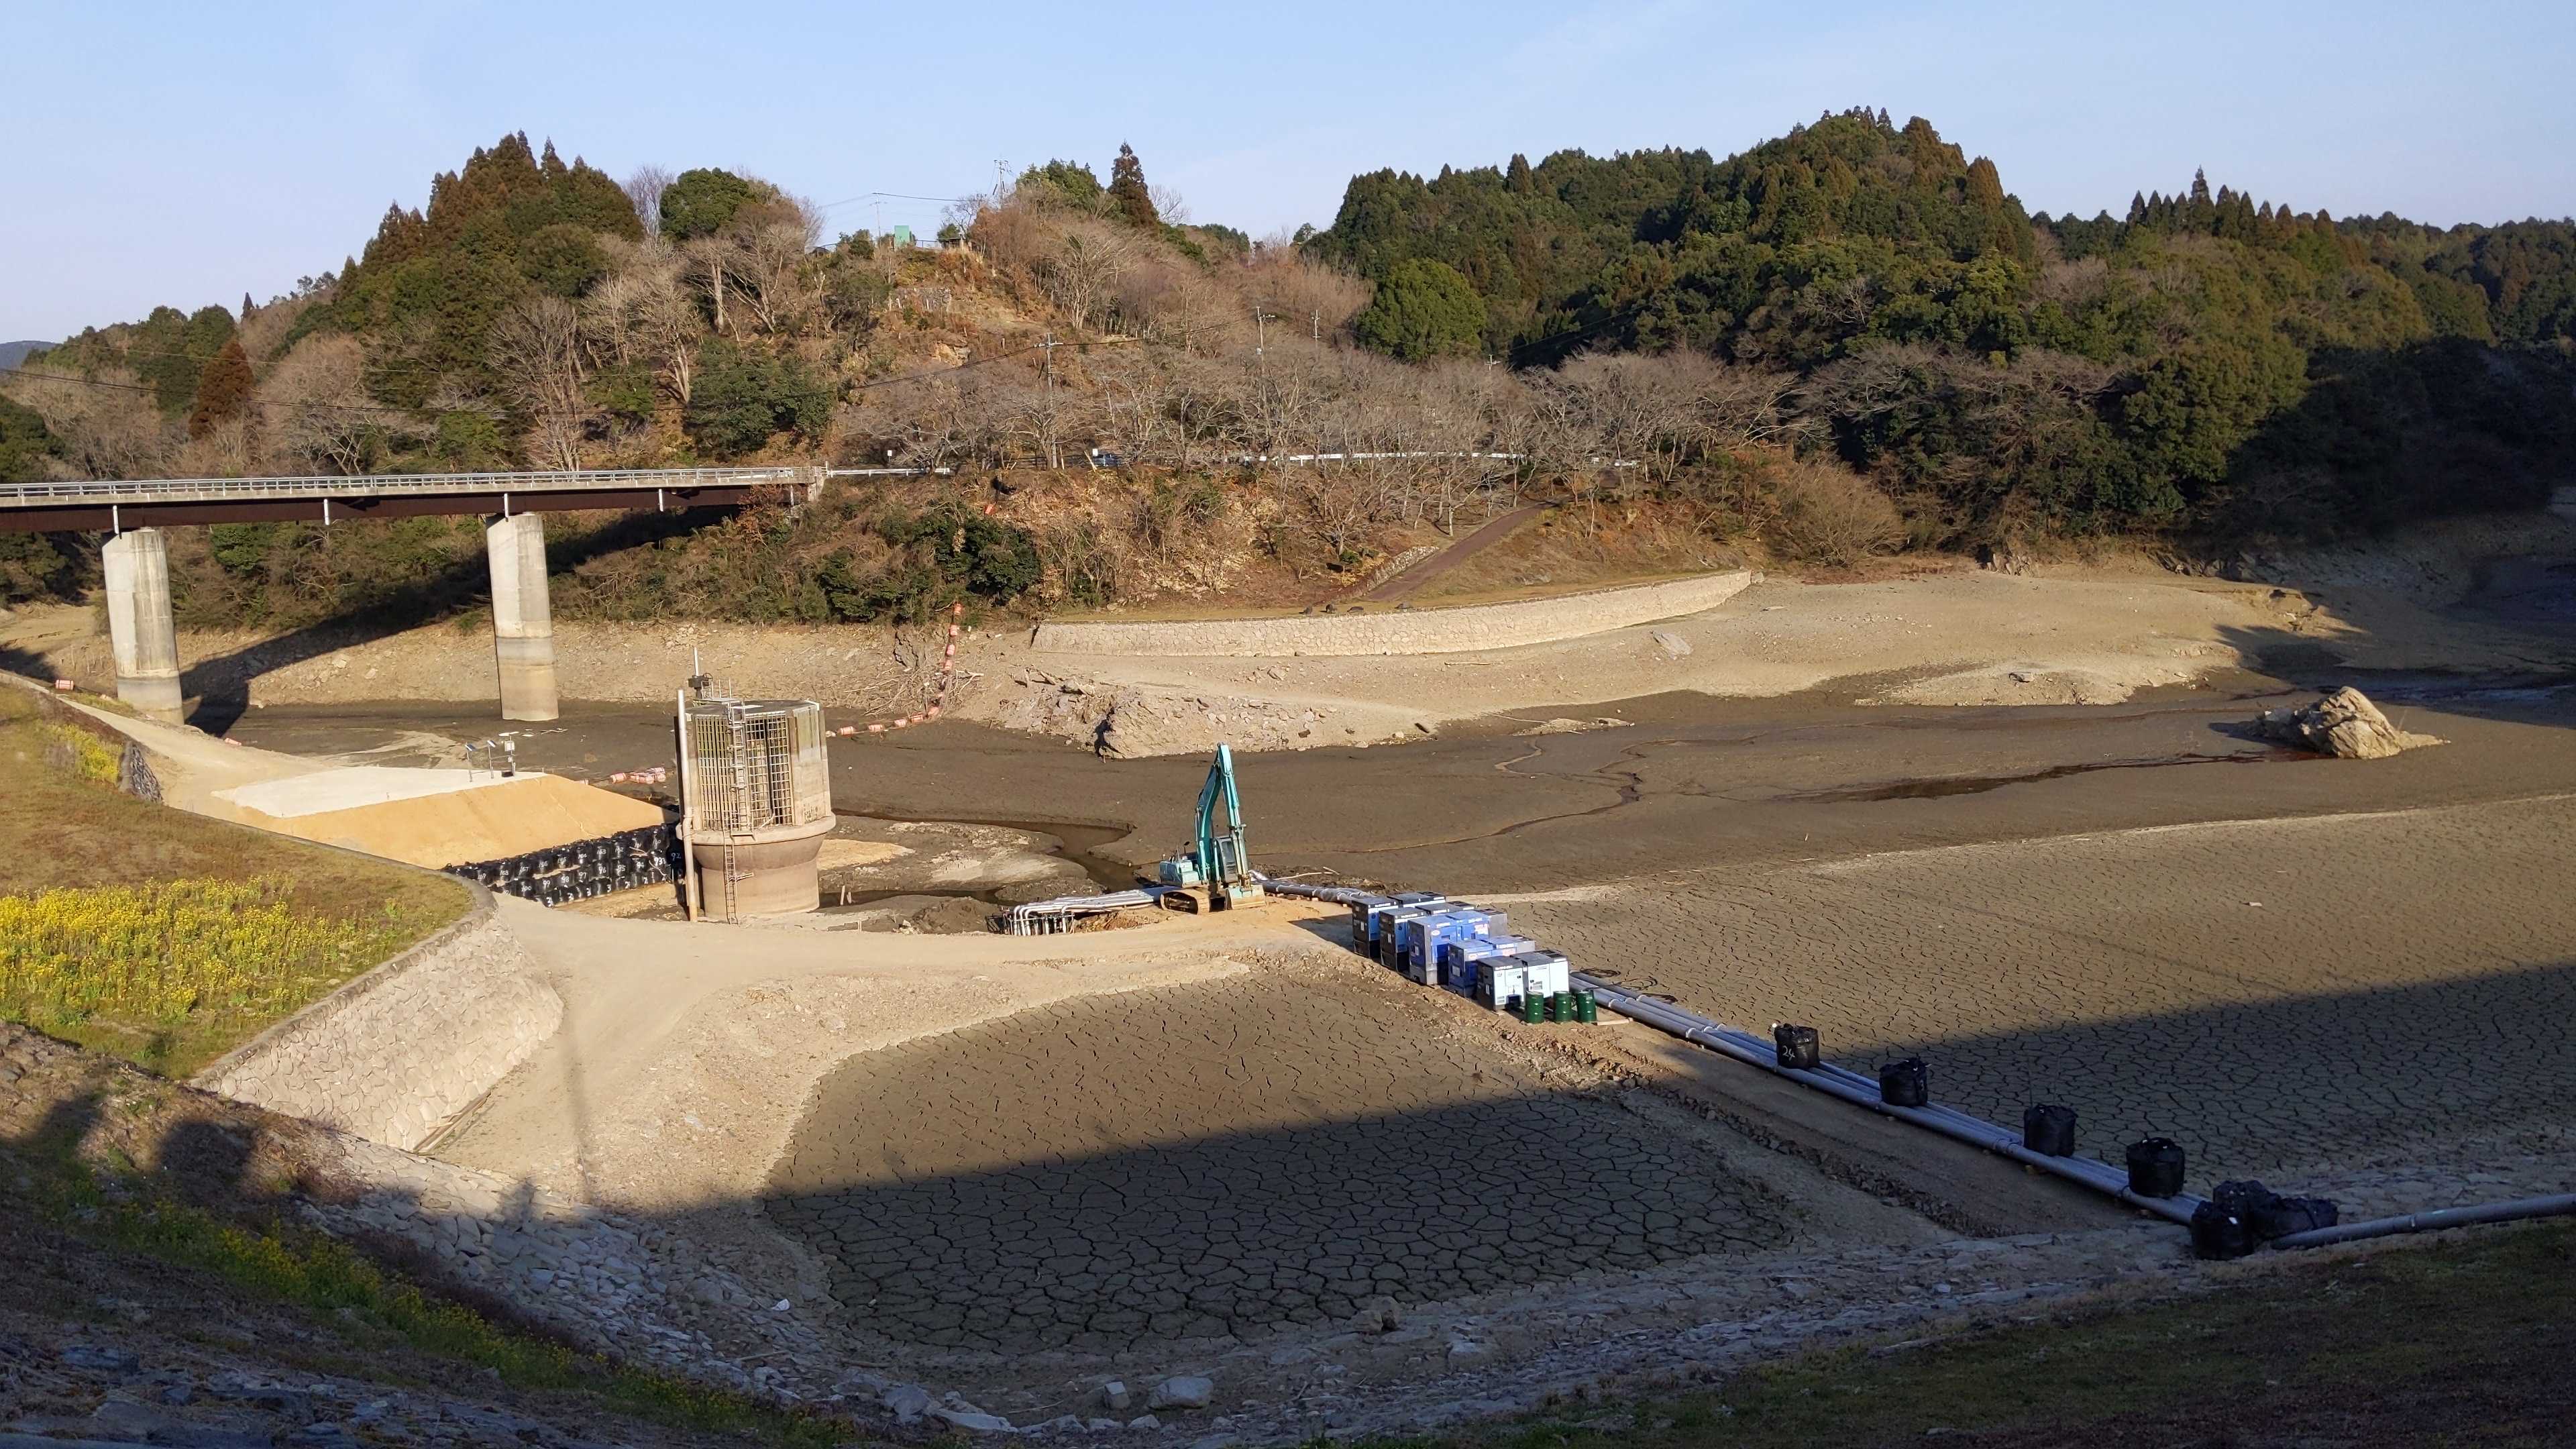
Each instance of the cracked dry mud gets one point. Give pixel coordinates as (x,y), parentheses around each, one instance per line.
(2273,994)
(1227,1158)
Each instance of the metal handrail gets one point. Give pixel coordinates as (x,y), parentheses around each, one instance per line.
(30,495)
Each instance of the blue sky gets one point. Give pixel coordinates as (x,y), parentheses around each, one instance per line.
(187,153)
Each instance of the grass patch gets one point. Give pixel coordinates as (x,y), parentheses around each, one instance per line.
(163,937)
(347,1294)
(2464,1342)
(187,962)
(80,754)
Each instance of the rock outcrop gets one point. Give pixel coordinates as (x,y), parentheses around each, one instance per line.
(2344,724)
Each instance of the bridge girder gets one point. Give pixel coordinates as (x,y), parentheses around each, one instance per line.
(81,517)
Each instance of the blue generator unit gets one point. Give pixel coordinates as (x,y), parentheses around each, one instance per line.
(1462,961)
(1389,938)
(1420,939)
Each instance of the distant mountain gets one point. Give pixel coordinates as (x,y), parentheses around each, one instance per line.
(13,353)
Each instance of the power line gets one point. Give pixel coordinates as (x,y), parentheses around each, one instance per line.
(894,196)
(415,414)
(996,357)
(378,364)
(1573,332)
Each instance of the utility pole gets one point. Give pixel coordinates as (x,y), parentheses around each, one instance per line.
(1053,458)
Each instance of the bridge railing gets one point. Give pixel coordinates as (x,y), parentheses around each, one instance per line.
(145,490)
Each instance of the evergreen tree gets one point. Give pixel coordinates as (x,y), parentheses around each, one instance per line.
(1422,309)
(1060,183)
(701,200)
(1516,178)
(1129,198)
(1985,185)
(24,439)
(223,390)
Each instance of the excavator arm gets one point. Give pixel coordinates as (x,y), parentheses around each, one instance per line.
(1217,859)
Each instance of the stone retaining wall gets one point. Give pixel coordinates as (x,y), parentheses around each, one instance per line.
(397,1053)
(1413,631)
(683,1295)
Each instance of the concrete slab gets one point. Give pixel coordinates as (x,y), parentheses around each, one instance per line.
(351,786)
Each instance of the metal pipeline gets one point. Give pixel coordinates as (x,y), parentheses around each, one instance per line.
(1034,917)
(2562,1205)
(1338,895)
(1852,1087)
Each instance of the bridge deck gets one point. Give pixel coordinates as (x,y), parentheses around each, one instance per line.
(142,502)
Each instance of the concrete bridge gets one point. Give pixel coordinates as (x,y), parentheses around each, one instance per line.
(145,635)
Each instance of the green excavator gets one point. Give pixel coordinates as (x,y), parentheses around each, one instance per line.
(1215,874)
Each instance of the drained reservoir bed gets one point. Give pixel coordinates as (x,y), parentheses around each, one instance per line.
(1223,1158)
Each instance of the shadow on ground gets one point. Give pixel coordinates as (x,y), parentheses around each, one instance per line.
(221,685)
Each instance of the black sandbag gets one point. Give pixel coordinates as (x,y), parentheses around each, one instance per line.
(1905,1084)
(2283,1216)
(1796,1046)
(2049,1128)
(2217,1233)
(2155,1167)
(2241,1197)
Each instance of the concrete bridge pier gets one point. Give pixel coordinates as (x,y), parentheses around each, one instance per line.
(139,625)
(523,624)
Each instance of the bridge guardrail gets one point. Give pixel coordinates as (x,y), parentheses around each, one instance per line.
(37,495)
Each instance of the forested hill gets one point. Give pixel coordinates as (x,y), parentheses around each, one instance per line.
(1853,229)
(1848,340)
(2204,360)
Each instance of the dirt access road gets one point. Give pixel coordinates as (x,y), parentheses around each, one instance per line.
(1413,580)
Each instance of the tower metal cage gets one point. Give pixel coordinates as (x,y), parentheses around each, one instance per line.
(755,764)
(758,796)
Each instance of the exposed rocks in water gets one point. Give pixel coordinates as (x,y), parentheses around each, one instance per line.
(1564,726)
(2344,724)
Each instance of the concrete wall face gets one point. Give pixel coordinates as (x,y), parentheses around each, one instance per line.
(394,1055)
(1419,631)
(139,623)
(523,624)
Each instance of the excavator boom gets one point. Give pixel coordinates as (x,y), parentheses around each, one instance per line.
(1217,860)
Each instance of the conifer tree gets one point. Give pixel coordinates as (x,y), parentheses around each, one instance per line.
(223,391)
(1516,177)
(1129,200)
(1985,184)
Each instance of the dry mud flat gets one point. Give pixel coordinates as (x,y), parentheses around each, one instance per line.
(2277,995)
(1237,1157)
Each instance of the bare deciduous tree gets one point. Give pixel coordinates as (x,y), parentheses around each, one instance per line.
(772,267)
(644,189)
(536,347)
(315,406)
(1081,272)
